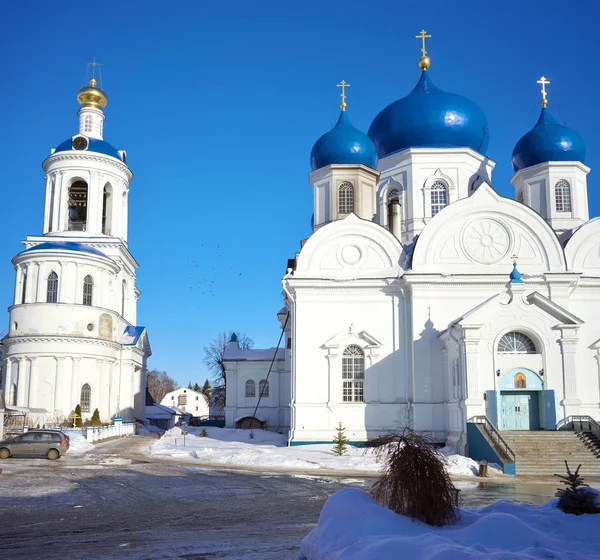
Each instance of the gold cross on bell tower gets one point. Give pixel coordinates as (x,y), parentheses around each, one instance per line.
(343,85)
(424,61)
(544,83)
(93,65)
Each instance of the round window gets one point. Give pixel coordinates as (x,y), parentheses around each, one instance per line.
(90,327)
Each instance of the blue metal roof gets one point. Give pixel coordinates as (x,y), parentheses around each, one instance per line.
(429,118)
(132,334)
(548,141)
(66,246)
(94,145)
(343,144)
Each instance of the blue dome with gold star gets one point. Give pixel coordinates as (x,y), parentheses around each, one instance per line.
(343,144)
(429,118)
(548,141)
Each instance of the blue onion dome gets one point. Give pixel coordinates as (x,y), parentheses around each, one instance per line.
(548,141)
(343,144)
(515,275)
(429,118)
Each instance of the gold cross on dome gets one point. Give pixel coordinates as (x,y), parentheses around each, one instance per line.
(423,36)
(93,65)
(514,258)
(343,85)
(544,83)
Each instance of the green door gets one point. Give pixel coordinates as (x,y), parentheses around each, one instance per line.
(519,410)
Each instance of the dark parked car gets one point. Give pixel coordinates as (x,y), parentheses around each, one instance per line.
(36,443)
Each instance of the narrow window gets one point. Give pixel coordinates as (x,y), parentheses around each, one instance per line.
(520,197)
(439,197)
(123,297)
(78,193)
(353,374)
(13,394)
(107,210)
(263,388)
(52,289)
(86,397)
(393,211)
(345,198)
(250,388)
(88,290)
(562,193)
(516,343)
(87,124)
(24,287)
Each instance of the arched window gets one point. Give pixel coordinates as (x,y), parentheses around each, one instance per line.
(107,210)
(78,194)
(86,397)
(263,388)
(520,381)
(345,198)
(516,343)
(52,289)
(353,374)
(393,196)
(439,197)
(88,290)
(250,388)
(24,286)
(562,193)
(123,297)
(393,211)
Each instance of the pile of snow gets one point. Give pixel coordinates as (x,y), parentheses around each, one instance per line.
(78,444)
(235,448)
(353,527)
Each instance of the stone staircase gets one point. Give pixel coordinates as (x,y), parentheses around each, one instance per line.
(543,453)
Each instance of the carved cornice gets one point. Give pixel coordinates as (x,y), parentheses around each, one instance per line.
(58,339)
(72,156)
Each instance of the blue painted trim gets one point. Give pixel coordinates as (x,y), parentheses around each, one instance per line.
(481,450)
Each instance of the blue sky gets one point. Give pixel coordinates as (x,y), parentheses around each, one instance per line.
(218,106)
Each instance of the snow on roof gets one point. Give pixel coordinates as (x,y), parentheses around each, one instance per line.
(233,352)
(131,335)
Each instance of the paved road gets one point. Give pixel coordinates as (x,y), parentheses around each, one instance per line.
(117,502)
(108,503)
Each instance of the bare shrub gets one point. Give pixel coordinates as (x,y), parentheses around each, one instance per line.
(414,481)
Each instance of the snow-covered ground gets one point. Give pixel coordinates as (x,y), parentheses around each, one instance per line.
(78,444)
(235,448)
(353,527)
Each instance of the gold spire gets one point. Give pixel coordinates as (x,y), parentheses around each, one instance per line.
(343,85)
(544,83)
(424,61)
(91,96)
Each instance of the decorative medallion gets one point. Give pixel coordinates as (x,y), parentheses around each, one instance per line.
(351,254)
(486,241)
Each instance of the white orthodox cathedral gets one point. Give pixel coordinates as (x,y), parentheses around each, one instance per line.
(72,336)
(407,306)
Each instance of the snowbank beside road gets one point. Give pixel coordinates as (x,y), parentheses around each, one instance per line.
(78,444)
(353,527)
(235,448)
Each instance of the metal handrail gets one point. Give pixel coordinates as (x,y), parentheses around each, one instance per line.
(494,435)
(577,424)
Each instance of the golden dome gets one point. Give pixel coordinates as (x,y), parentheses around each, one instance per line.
(424,62)
(91,96)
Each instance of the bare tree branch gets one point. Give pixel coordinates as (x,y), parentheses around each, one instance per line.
(159,384)
(215,351)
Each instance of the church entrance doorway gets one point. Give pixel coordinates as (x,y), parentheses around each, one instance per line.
(520,410)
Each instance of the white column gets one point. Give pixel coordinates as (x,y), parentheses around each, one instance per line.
(470,355)
(61,203)
(58,384)
(105,411)
(29,286)
(123,214)
(41,293)
(78,291)
(47,208)
(33,383)
(18,284)
(7,378)
(568,344)
(62,282)
(94,209)
(23,383)
(75,388)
